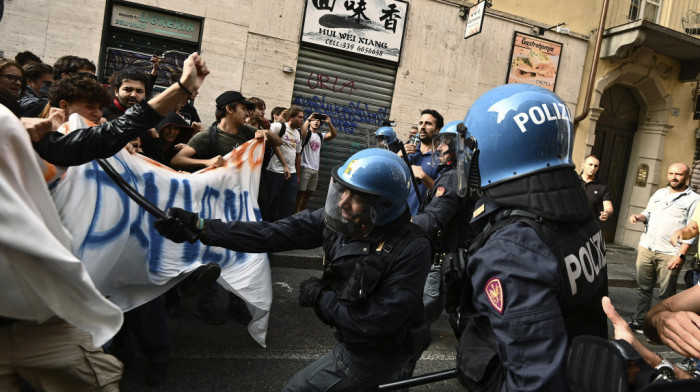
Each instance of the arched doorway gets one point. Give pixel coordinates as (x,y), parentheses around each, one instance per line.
(614,134)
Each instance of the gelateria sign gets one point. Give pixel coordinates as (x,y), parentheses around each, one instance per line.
(373,28)
(151,22)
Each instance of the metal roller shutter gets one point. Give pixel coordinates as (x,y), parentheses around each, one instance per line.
(355,92)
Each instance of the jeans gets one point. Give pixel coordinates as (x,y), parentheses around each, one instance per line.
(651,267)
(280,195)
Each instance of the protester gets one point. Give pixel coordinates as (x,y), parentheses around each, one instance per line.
(173,134)
(12,77)
(312,141)
(130,86)
(420,155)
(52,318)
(70,64)
(281,175)
(27,57)
(376,311)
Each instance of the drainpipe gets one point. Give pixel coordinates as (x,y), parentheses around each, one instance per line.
(594,65)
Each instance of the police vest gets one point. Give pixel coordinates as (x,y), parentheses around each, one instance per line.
(580,249)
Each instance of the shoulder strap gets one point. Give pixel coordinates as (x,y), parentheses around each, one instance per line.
(397,241)
(282,130)
(307,138)
(213,137)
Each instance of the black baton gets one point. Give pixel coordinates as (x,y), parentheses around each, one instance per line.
(137,197)
(413,177)
(419,380)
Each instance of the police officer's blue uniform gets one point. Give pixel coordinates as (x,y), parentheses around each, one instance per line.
(536,301)
(374,269)
(425,161)
(372,334)
(536,273)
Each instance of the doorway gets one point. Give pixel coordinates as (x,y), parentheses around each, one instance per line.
(614,134)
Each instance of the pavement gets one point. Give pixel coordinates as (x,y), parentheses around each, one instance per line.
(621,264)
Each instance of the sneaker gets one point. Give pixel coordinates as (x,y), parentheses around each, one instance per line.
(688,365)
(203,276)
(634,326)
(210,315)
(696,374)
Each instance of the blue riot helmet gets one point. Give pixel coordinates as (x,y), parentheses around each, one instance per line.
(382,138)
(516,130)
(370,189)
(448,145)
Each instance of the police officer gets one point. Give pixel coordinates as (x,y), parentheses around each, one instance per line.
(537,271)
(373,279)
(385,137)
(445,212)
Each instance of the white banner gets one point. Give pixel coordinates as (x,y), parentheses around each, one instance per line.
(129,261)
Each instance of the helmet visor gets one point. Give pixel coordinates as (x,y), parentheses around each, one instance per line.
(348,211)
(445,148)
(465,153)
(379,141)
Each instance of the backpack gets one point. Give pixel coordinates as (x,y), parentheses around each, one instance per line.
(269,150)
(308,138)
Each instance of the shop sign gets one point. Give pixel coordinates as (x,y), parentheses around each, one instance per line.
(534,60)
(151,22)
(373,28)
(475,21)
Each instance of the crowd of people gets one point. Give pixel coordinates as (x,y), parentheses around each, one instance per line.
(444,222)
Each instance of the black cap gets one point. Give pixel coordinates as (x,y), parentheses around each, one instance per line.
(173,118)
(230,97)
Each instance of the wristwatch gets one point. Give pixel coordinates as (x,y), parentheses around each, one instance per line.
(665,370)
(681,255)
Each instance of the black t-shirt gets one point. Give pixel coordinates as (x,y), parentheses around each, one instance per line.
(596,193)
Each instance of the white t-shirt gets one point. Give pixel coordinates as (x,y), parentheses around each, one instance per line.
(291,146)
(311,156)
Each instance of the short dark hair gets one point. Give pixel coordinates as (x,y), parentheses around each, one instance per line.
(71,64)
(26,57)
(258,102)
(34,71)
(439,121)
(220,113)
(276,111)
(591,155)
(75,88)
(131,74)
(293,111)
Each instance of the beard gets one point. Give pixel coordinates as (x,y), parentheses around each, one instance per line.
(678,187)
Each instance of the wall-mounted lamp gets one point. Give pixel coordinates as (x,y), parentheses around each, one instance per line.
(287,69)
(540,31)
(463,12)
(489,3)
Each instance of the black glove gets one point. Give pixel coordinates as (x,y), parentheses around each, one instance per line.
(178,225)
(309,292)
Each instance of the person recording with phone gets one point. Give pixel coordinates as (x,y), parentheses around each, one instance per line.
(312,139)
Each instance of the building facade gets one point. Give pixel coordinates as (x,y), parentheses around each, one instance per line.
(400,57)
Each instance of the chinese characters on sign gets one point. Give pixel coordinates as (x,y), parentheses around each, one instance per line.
(372,28)
(534,60)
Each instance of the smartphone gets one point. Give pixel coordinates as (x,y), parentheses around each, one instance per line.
(321,117)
